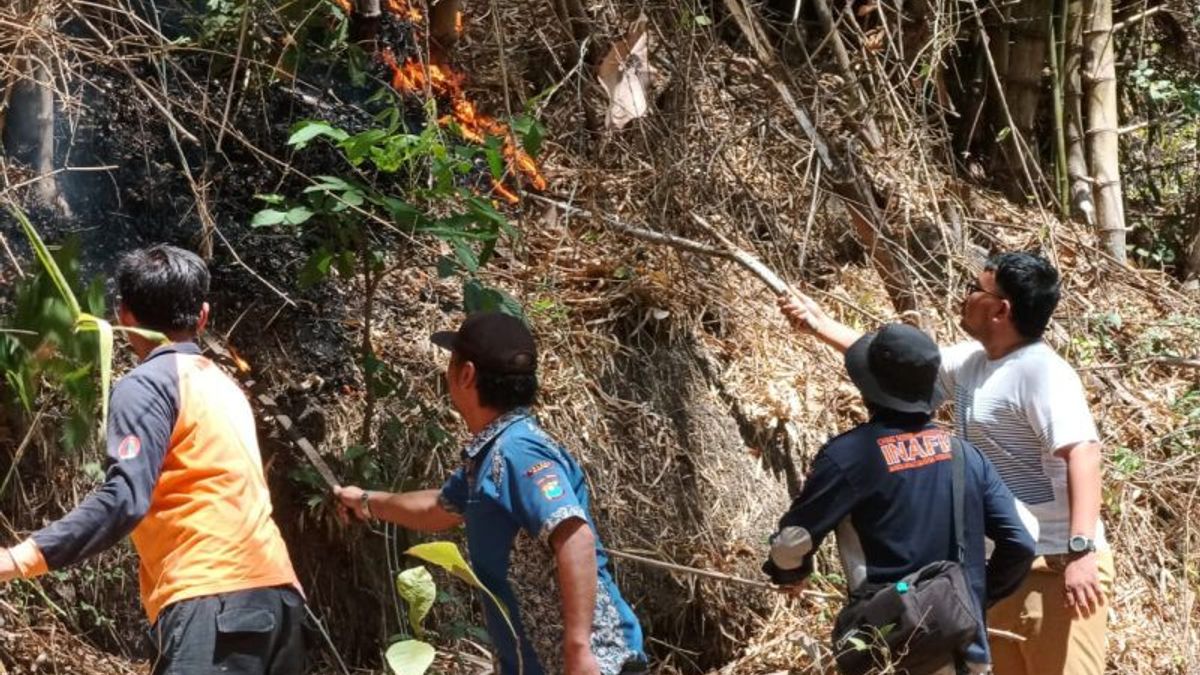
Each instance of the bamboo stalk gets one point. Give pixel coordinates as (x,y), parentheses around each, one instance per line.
(1077,165)
(1061,178)
(1100,82)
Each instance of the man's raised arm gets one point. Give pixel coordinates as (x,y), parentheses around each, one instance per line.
(807,317)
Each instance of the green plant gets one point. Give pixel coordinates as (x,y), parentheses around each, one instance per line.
(446,555)
(398,186)
(50,312)
(413,657)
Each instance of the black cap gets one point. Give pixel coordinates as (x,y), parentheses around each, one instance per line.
(895,368)
(493,341)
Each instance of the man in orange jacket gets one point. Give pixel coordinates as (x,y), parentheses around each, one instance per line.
(185,481)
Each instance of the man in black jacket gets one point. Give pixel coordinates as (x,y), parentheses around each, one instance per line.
(885,487)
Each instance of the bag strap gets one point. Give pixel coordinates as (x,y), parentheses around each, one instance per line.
(958,461)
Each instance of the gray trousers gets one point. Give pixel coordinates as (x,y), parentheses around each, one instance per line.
(251,632)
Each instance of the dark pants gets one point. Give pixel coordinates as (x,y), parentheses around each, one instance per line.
(252,632)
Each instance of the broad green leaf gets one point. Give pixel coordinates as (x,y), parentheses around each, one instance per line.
(480,298)
(316,268)
(416,586)
(410,657)
(465,256)
(330,183)
(446,555)
(297,215)
(702,20)
(446,267)
(531,132)
(858,644)
(152,335)
(492,151)
(268,217)
(47,261)
(104,333)
(304,132)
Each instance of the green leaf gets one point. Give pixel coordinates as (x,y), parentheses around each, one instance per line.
(268,217)
(495,160)
(702,20)
(330,184)
(403,213)
(104,333)
(297,215)
(858,644)
(480,298)
(316,268)
(445,555)
(531,132)
(1004,133)
(410,657)
(272,199)
(466,256)
(416,586)
(304,132)
(484,212)
(47,261)
(446,267)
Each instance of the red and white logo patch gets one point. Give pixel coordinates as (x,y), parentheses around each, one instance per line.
(129,448)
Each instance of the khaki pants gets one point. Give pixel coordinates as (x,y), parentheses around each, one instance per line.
(1057,640)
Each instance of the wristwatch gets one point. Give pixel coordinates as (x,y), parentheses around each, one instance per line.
(366,505)
(1079,544)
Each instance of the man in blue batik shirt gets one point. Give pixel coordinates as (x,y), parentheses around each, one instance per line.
(525,505)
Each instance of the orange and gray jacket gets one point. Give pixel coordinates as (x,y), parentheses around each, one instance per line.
(184,479)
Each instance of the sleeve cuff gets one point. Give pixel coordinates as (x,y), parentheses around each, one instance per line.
(448,505)
(29,559)
(559,517)
(790,546)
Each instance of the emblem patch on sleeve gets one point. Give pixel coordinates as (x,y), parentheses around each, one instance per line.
(537,468)
(130,447)
(550,487)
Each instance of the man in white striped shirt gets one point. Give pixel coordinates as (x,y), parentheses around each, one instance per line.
(1021,404)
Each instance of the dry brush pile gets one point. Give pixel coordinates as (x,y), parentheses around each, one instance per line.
(669,373)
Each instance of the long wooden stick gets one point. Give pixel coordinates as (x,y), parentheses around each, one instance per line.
(762,585)
(727,250)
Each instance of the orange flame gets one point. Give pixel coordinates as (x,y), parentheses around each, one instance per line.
(439,80)
(416,78)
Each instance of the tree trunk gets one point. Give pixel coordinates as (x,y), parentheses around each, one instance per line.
(1100,82)
(1077,166)
(1191,264)
(445,23)
(1023,83)
(365,19)
(29,125)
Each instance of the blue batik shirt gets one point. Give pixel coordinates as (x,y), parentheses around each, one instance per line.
(515,487)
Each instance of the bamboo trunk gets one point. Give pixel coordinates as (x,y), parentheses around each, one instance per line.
(1100,82)
(1023,81)
(1077,166)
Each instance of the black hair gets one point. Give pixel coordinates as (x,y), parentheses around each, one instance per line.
(505,391)
(1031,285)
(896,418)
(165,287)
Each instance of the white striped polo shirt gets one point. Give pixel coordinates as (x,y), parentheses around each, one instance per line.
(1019,409)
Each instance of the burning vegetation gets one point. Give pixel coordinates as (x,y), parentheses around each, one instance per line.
(437,78)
